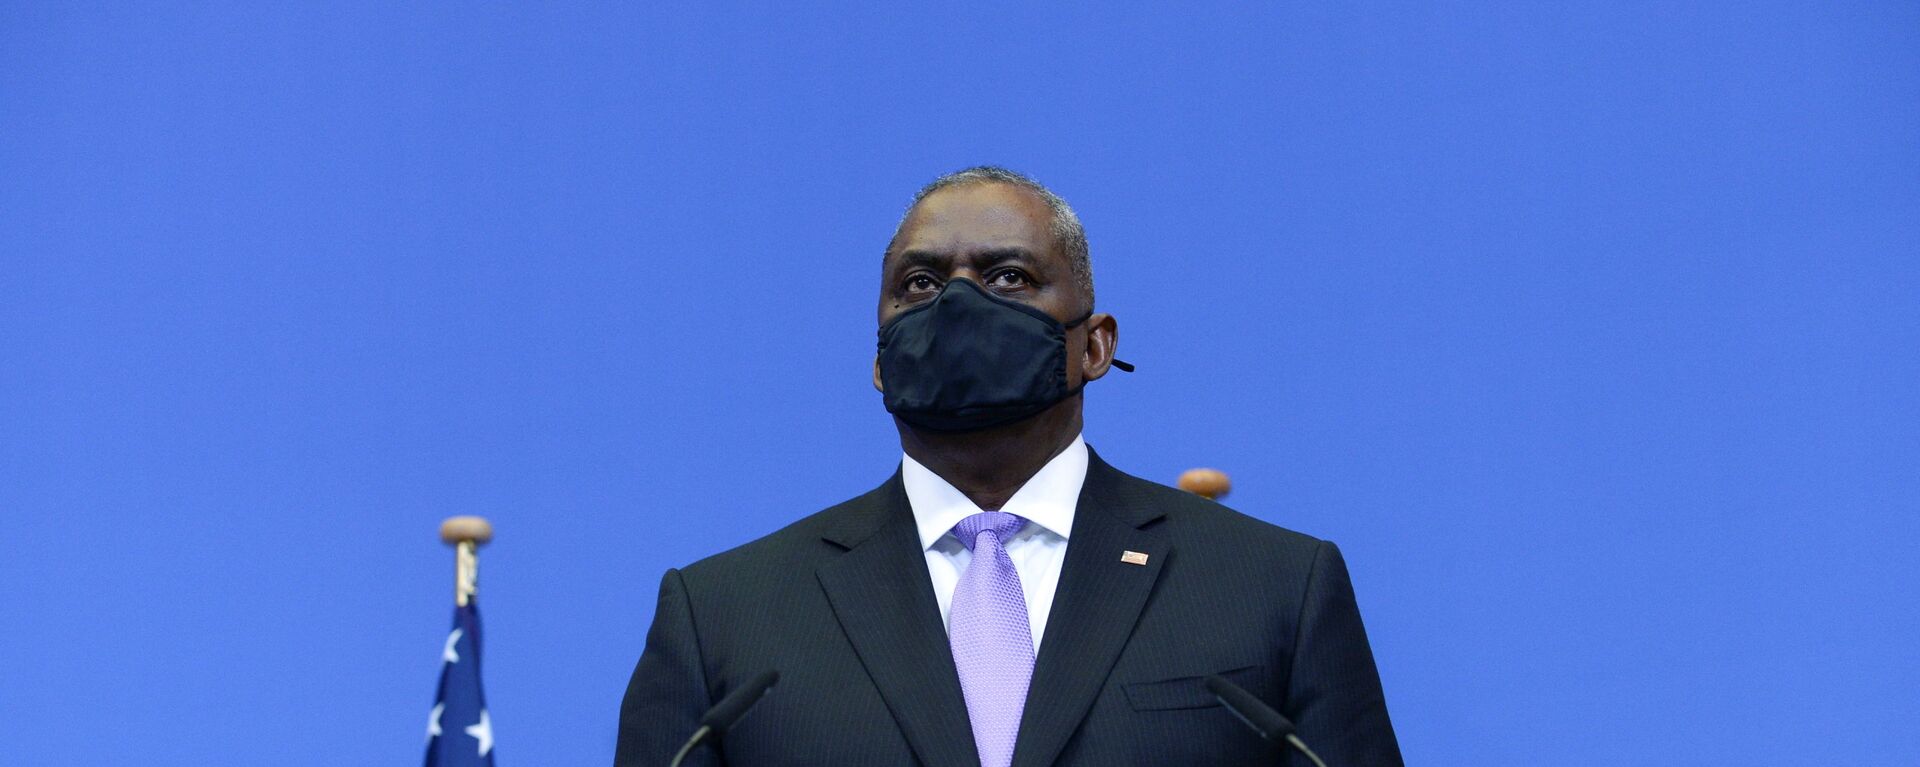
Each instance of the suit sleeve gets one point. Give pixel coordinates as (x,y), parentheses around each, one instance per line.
(1333,690)
(668,692)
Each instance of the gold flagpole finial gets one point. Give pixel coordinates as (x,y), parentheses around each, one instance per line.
(466,535)
(1211,484)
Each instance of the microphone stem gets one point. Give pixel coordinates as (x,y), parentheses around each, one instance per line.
(701,734)
(1296,742)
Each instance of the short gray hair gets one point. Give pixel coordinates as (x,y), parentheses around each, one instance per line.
(1068,235)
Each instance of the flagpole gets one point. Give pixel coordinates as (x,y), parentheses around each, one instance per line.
(459,732)
(466,535)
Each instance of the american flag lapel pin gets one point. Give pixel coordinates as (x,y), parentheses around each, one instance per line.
(1133,557)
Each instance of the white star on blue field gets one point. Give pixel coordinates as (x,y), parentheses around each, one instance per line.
(459,730)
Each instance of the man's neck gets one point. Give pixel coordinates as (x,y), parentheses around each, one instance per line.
(990,465)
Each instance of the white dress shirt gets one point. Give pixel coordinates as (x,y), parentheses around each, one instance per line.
(1046,501)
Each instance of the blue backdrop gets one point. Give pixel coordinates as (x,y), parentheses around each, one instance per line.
(1588,330)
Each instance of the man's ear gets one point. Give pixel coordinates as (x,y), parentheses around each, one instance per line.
(1103,336)
(876,375)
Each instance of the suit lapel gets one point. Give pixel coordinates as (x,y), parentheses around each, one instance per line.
(884,601)
(1099,601)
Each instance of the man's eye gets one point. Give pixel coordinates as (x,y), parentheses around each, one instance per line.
(1007,278)
(921,282)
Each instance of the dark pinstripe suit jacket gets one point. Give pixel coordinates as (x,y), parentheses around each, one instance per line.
(841,605)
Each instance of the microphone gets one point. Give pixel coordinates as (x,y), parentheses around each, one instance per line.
(727,711)
(1266,722)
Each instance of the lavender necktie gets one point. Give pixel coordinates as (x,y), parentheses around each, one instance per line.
(992,642)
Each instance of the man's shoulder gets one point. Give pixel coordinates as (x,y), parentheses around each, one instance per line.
(802,542)
(1194,520)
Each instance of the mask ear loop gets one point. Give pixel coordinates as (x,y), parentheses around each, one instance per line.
(1124,366)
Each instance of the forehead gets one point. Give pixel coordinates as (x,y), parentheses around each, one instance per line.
(972,218)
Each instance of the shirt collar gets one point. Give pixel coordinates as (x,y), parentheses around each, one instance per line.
(1047,499)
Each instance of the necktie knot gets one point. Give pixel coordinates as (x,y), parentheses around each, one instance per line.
(1000,523)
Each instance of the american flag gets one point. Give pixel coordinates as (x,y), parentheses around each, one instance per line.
(459,734)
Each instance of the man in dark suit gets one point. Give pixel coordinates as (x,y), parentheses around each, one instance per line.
(1006,598)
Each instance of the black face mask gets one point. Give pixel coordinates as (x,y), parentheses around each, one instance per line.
(967,360)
